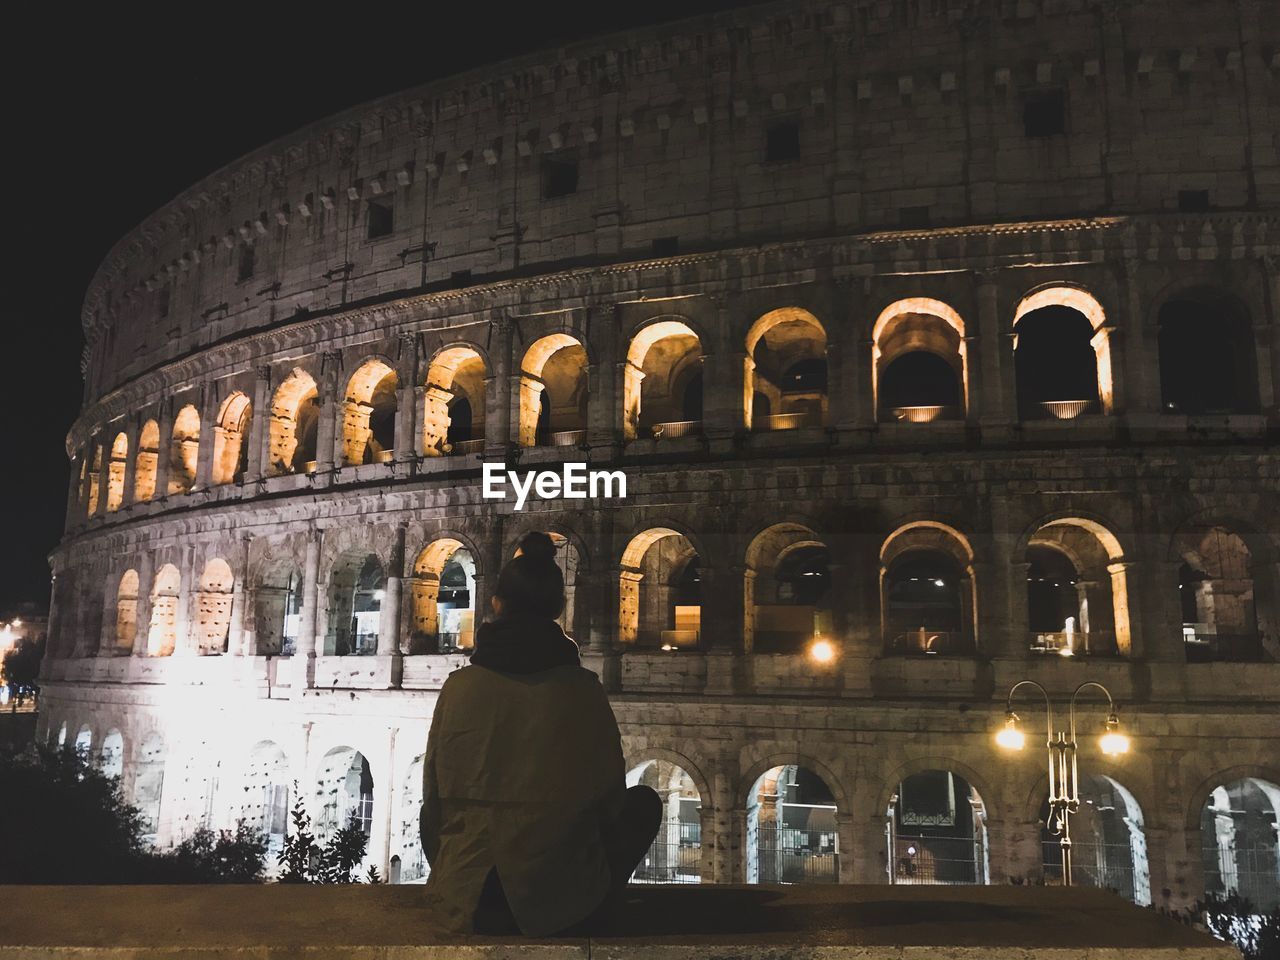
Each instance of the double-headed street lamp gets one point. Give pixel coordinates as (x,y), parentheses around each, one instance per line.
(1064,795)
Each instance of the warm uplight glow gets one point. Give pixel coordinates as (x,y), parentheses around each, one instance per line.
(1009,736)
(1113,743)
(1066,651)
(822,651)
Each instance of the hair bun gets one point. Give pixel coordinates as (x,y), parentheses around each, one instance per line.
(537,546)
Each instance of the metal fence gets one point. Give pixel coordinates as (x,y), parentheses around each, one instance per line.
(674,857)
(935,860)
(1255,876)
(788,855)
(1108,866)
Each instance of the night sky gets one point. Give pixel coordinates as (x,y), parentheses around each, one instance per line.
(107,123)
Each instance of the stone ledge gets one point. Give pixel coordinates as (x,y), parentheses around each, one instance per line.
(273,922)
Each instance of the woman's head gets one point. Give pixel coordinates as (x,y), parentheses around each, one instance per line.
(531,584)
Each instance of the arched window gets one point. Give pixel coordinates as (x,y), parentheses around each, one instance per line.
(1207,361)
(356,591)
(146,461)
(184,450)
(369,414)
(1108,844)
(925,604)
(919,362)
(787,365)
(786,589)
(231,439)
(675,856)
(148,784)
(453,414)
(115,474)
(1216,594)
(343,793)
(413,861)
(659,591)
(1077,590)
(127,612)
(277,619)
(262,800)
(553,388)
(111,757)
(295,419)
(443,598)
(791,828)
(937,831)
(1062,355)
(213,608)
(162,633)
(1238,842)
(662,388)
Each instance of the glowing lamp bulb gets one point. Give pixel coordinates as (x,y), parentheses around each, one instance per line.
(822,651)
(1010,737)
(1113,743)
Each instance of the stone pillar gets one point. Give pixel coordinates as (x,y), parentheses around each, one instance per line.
(74,505)
(164,448)
(722,845)
(1109,349)
(259,438)
(130,463)
(525,392)
(1126,613)
(209,428)
(998,403)
(1141,367)
(107,631)
(1266,355)
(497,401)
(408,435)
(146,574)
(1016,855)
(863,847)
(328,440)
(389,616)
(238,642)
(104,474)
(308,627)
(601,602)
(604,411)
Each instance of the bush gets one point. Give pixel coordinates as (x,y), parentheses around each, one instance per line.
(303,861)
(63,821)
(1236,920)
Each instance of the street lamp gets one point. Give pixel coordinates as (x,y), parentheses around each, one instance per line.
(1064,795)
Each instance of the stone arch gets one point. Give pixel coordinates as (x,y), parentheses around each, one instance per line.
(111,754)
(162,631)
(357,585)
(1227,593)
(231,439)
(936,827)
(1203,791)
(649,613)
(928,594)
(443,624)
(342,792)
(792,834)
(553,390)
(1206,349)
(978,781)
(1088,593)
(659,349)
(116,471)
(637,755)
(920,363)
(1240,841)
(1108,839)
(126,611)
(454,401)
(213,608)
(413,861)
(184,450)
(277,606)
(369,413)
(262,796)
(84,741)
(675,856)
(148,781)
(295,421)
(786,366)
(1063,347)
(786,589)
(146,461)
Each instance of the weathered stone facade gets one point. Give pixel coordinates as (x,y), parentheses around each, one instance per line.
(695,254)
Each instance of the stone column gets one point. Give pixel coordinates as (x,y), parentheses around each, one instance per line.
(408,436)
(1141,367)
(259,438)
(164,448)
(722,845)
(209,428)
(75,506)
(525,394)
(999,404)
(852,411)
(308,627)
(328,440)
(604,410)
(497,401)
(104,474)
(146,574)
(389,615)
(130,464)
(107,632)
(863,847)
(238,639)
(1266,355)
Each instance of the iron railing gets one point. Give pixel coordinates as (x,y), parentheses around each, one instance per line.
(1107,866)
(924,413)
(675,856)
(789,855)
(934,860)
(676,429)
(1204,647)
(787,421)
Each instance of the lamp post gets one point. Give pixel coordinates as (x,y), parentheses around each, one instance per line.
(1064,795)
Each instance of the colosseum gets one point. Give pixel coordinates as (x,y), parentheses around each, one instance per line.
(936,341)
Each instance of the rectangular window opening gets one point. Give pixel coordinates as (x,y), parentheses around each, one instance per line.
(666,246)
(244,267)
(1044,114)
(380,218)
(1193,201)
(559,177)
(913,218)
(782,141)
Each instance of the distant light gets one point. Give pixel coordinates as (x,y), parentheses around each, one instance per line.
(379,594)
(911,850)
(1113,743)
(668,647)
(1066,652)
(939,583)
(822,651)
